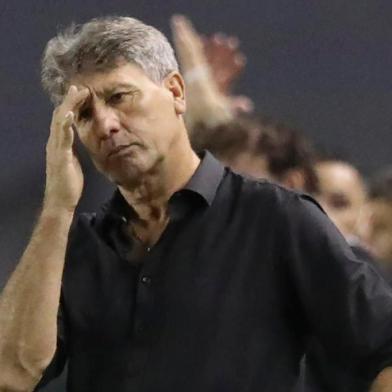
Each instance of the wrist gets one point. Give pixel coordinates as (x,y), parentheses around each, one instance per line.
(51,209)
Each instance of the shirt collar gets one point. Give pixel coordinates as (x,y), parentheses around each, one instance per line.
(204,184)
(207,177)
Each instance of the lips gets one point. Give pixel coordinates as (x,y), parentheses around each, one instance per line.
(118,149)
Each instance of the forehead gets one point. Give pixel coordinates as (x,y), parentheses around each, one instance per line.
(338,176)
(124,74)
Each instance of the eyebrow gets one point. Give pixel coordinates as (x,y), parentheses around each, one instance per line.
(109,90)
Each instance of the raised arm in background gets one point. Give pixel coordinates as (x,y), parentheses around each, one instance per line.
(209,68)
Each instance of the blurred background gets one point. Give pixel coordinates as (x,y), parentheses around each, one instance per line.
(323,67)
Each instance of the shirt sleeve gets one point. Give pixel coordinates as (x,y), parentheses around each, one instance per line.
(57,364)
(346,302)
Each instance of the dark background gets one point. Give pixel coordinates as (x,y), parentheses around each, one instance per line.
(322,66)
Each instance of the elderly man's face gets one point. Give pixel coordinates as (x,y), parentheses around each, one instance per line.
(129,124)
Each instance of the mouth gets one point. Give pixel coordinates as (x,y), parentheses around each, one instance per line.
(119,150)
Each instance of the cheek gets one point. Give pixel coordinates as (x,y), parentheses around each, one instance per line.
(383,246)
(160,108)
(139,116)
(90,144)
(83,134)
(351,214)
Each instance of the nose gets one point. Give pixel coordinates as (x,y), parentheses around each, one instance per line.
(106,122)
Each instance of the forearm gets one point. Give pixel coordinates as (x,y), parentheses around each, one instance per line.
(205,103)
(383,382)
(29,302)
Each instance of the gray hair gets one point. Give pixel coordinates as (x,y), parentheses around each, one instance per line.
(98,45)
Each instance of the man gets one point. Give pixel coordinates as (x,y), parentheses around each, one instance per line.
(191,278)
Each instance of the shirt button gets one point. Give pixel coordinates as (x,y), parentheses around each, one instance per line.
(148,249)
(146,280)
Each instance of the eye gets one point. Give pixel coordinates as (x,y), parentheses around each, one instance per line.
(116,98)
(339,201)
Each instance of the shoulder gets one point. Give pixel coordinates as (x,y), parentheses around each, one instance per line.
(82,233)
(92,221)
(265,193)
(90,236)
(82,223)
(90,226)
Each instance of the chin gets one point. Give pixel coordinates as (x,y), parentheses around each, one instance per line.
(127,177)
(129,171)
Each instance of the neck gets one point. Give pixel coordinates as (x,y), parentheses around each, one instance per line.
(150,197)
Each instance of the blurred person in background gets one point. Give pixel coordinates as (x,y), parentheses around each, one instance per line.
(342,194)
(377,219)
(262,148)
(365,216)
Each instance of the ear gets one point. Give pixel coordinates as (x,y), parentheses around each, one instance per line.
(174,82)
(294,179)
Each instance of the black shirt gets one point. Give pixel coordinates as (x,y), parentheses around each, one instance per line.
(225,301)
(320,372)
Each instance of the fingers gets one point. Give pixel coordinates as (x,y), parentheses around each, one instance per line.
(182,24)
(178,27)
(74,99)
(62,133)
(188,43)
(241,104)
(222,48)
(233,43)
(225,59)
(64,178)
(240,60)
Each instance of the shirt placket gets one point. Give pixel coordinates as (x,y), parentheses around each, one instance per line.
(144,326)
